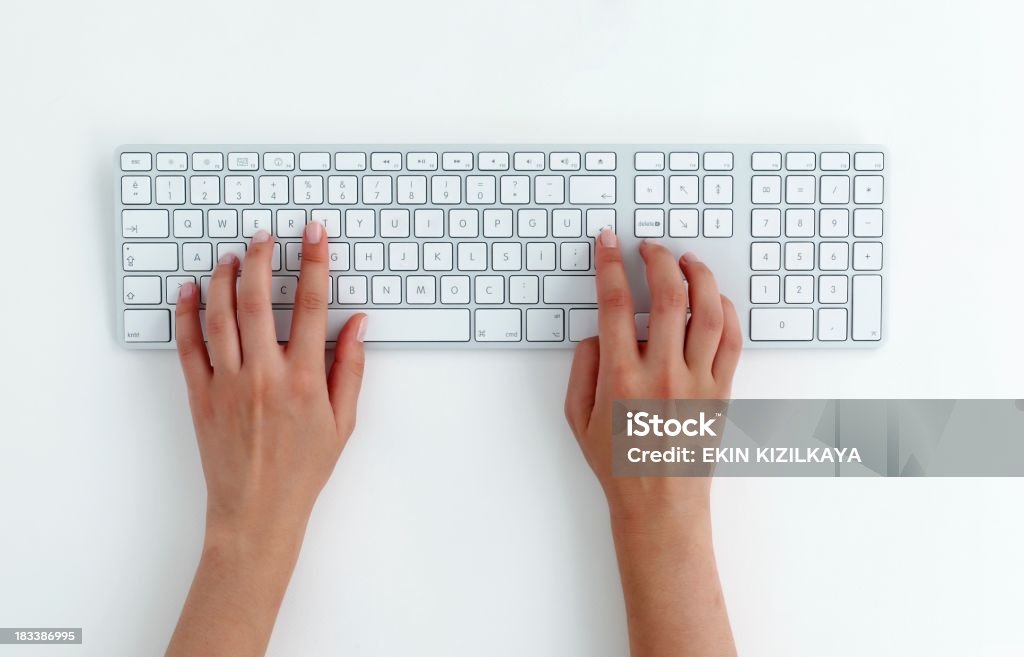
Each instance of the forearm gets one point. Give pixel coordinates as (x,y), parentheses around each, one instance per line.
(674,602)
(235,595)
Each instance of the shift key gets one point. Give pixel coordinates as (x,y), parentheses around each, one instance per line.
(570,289)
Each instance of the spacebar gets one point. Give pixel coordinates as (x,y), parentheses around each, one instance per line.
(393,324)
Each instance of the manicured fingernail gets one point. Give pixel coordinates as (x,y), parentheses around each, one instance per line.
(227,259)
(260,236)
(361,331)
(608,238)
(689,257)
(186,290)
(314,231)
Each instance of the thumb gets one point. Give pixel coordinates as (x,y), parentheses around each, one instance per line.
(346,376)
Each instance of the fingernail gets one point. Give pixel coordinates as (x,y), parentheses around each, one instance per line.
(260,236)
(689,258)
(314,231)
(361,331)
(227,259)
(609,238)
(186,290)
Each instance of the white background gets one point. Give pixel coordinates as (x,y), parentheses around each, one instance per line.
(461,519)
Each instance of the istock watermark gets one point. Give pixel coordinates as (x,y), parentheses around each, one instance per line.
(818,437)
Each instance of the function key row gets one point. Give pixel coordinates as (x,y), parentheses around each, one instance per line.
(828,161)
(378,161)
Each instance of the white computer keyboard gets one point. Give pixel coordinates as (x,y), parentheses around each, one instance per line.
(492,245)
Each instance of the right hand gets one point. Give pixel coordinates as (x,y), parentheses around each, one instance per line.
(681,360)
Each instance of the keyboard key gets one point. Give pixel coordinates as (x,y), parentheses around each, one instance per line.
(480,190)
(515,190)
(835,161)
(540,256)
(309,190)
(394,223)
(598,219)
(351,289)
(204,190)
(239,190)
(575,256)
(377,190)
(766,161)
(592,190)
(717,223)
(649,161)
(566,223)
(170,190)
(766,222)
(455,289)
(532,223)
(799,256)
(868,162)
(800,161)
(188,223)
(135,190)
(279,161)
(354,161)
(718,189)
(789,324)
(343,190)
(149,325)
(490,289)
(683,189)
(649,222)
(832,289)
(444,190)
(834,222)
(684,161)
(765,256)
(545,325)
(867,308)
(174,284)
(682,223)
(766,190)
(867,256)
(493,325)
(649,189)
(549,190)
(799,289)
(800,190)
(243,161)
(136,161)
(570,289)
(764,289)
(867,189)
(421,161)
(315,161)
(498,223)
(493,162)
(144,223)
(207,161)
(524,289)
(463,223)
(222,223)
(528,161)
(149,256)
(171,161)
(420,290)
(867,222)
(718,161)
(291,223)
(386,161)
(832,324)
(386,289)
(564,162)
(600,161)
(141,289)
(833,256)
(835,190)
(457,161)
(273,190)
(799,222)
(582,324)
(394,324)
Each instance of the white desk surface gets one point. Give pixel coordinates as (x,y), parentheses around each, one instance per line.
(461,519)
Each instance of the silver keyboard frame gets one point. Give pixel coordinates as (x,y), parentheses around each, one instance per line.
(729,258)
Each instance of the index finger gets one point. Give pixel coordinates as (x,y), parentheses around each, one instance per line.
(309,316)
(615,324)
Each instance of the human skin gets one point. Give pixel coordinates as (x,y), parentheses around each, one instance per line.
(661,526)
(270,422)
